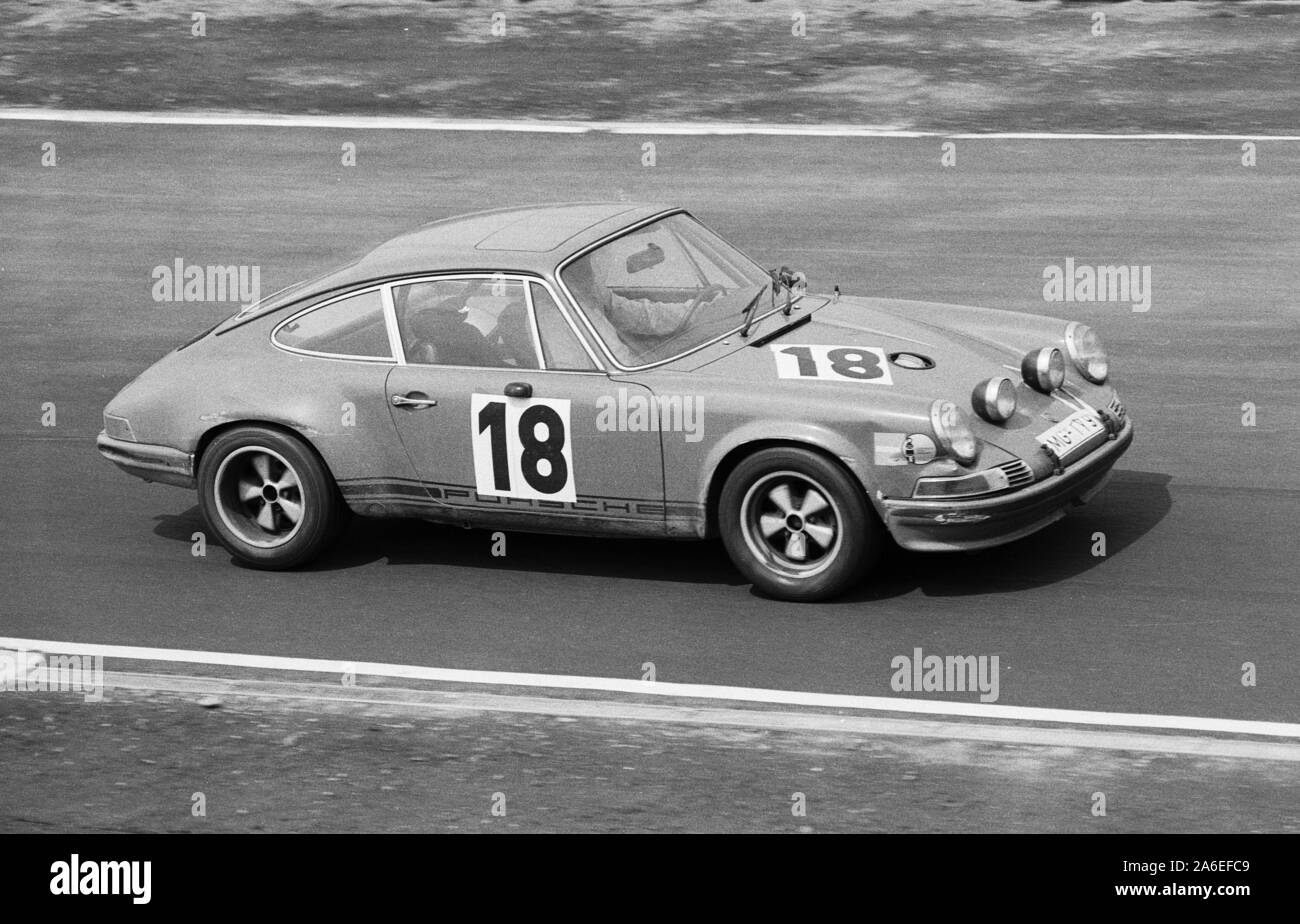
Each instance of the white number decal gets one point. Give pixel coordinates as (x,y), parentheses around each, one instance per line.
(818,361)
(521,447)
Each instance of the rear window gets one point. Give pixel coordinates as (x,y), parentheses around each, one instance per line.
(352,327)
(282,297)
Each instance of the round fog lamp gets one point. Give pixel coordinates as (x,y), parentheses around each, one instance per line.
(995,399)
(1044,369)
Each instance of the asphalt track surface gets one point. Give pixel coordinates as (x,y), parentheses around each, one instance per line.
(1199,520)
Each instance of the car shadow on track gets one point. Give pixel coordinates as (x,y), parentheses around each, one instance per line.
(1132,504)
(1127,508)
(417,542)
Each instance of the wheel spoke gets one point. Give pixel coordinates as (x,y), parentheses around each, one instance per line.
(770,523)
(813,503)
(260,496)
(288,481)
(796,548)
(292,510)
(780,495)
(262,465)
(822,535)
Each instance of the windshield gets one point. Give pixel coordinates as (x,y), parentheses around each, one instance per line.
(664,289)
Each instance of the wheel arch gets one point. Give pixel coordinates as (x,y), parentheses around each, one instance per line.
(208,436)
(741,451)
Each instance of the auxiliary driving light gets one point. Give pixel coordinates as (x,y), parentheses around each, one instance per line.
(1085,349)
(1043,369)
(995,399)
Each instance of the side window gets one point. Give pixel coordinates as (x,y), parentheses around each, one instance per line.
(560,347)
(352,326)
(466,322)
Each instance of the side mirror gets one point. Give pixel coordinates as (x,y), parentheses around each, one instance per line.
(790,279)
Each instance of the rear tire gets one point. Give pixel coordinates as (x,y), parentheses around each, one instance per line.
(268,497)
(797,525)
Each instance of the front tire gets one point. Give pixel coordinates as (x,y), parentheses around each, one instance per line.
(797,525)
(268,497)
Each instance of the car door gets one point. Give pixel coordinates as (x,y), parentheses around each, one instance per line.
(508,420)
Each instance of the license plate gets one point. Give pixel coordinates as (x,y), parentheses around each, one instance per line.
(1074,435)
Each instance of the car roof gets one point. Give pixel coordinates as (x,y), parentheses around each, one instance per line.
(526,239)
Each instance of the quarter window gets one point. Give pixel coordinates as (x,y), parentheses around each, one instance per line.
(560,347)
(350,327)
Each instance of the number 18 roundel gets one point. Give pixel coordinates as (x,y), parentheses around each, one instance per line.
(521,447)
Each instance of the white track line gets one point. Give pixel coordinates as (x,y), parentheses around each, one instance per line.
(656,688)
(558,127)
(714,717)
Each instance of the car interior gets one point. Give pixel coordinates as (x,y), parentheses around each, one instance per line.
(444,334)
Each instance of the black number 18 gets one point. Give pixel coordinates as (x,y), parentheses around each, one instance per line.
(851,364)
(492,418)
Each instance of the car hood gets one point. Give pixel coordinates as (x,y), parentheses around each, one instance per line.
(966,345)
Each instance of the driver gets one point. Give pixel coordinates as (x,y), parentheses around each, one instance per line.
(440,331)
(638,317)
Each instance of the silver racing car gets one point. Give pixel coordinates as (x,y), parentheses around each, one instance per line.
(620,369)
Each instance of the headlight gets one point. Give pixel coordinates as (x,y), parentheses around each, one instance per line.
(1085,349)
(953,431)
(1043,369)
(995,399)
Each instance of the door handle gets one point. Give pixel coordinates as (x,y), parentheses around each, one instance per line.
(404,401)
(519,390)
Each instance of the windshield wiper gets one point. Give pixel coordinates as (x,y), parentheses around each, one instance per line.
(748,310)
(784,277)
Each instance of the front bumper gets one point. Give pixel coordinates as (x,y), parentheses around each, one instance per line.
(152,463)
(964,525)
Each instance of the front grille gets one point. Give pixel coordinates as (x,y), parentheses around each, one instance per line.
(1018,473)
(976,484)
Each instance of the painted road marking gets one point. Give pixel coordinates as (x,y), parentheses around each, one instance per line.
(578,127)
(769,720)
(659,688)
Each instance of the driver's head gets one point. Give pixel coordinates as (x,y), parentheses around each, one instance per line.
(422,297)
(426,320)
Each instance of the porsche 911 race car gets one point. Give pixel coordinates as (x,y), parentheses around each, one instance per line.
(619,369)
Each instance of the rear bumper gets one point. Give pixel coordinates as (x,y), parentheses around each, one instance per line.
(152,463)
(963,525)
